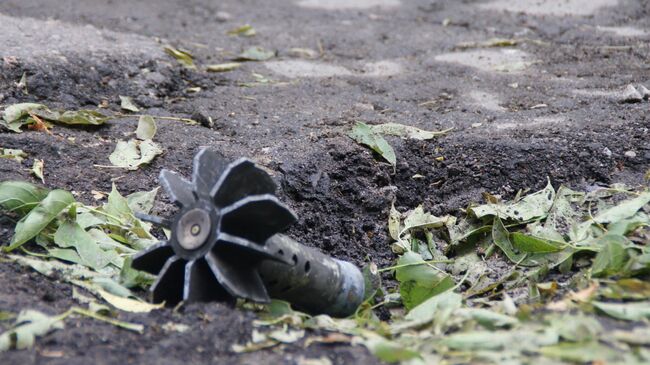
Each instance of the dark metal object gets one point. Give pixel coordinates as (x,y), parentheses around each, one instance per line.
(224,245)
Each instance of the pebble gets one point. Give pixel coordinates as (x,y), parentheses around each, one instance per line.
(201,116)
(645,93)
(607,152)
(630,95)
(222,16)
(630,154)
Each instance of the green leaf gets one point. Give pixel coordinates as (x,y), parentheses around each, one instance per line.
(142,201)
(623,210)
(478,340)
(418,281)
(146,127)
(634,311)
(70,234)
(223,67)
(501,238)
(30,324)
(394,219)
(37,169)
(590,352)
(17,115)
(612,257)
(18,155)
(118,206)
(406,131)
(418,219)
(245,30)
(255,54)
(130,277)
(20,196)
(389,351)
(531,244)
(576,327)
(437,309)
(126,103)
(73,117)
(627,289)
(133,154)
(39,217)
(363,134)
(533,206)
(487,318)
(183,57)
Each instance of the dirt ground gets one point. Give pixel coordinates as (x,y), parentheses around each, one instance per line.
(548,106)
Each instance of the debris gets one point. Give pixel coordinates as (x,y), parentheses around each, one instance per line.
(494,42)
(127,103)
(37,169)
(406,131)
(645,93)
(364,134)
(223,67)
(183,57)
(29,325)
(255,54)
(630,154)
(14,154)
(303,53)
(146,127)
(245,31)
(630,95)
(201,116)
(133,154)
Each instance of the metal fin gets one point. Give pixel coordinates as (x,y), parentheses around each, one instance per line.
(153,258)
(239,280)
(201,284)
(178,189)
(169,285)
(256,218)
(241,179)
(208,166)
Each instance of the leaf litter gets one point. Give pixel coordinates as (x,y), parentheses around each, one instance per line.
(574,258)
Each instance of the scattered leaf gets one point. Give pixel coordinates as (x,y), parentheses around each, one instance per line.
(30,324)
(245,31)
(634,311)
(37,169)
(18,155)
(20,197)
(39,217)
(419,281)
(223,67)
(146,127)
(127,103)
(183,57)
(362,133)
(255,54)
(127,304)
(133,154)
(406,131)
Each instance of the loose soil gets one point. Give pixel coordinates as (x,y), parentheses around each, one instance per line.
(558,116)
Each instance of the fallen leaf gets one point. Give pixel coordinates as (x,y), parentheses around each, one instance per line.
(37,169)
(146,127)
(406,131)
(183,57)
(223,67)
(255,54)
(30,324)
(15,154)
(245,30)
(126,103)
(39,217)
(129,305)
(133,154)
(362,133)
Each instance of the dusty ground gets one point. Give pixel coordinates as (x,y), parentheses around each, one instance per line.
(547,106)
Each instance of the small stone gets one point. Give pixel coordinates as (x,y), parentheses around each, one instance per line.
(222,16)
(645,93)
(201,116)
(476,125)
(630,95)
(607,152)
(630,154)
